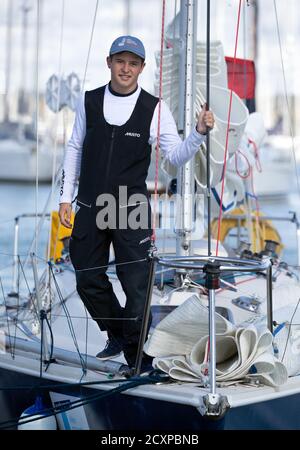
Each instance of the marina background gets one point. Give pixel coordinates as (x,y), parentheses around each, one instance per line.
(280,108)
(23,110)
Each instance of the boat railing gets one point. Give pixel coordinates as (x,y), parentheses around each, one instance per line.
(16,247)
(213,267)
(240,218)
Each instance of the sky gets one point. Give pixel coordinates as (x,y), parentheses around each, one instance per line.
(144,22)
(78,21)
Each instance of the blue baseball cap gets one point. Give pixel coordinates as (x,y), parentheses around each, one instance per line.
(128,44)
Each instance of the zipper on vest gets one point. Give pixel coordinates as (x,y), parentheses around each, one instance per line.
(84,204)
(110,155)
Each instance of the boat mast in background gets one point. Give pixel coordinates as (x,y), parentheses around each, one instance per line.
(127,19)
(23,99)
(8,59)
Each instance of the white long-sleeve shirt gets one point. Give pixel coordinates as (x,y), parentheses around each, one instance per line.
(117,110)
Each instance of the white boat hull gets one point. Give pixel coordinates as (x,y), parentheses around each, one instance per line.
(19,162)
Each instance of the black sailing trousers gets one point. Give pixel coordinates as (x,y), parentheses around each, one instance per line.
(89,252)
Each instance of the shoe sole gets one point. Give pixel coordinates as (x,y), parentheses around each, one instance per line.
(108,357)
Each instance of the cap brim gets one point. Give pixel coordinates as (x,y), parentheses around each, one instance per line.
(129,51)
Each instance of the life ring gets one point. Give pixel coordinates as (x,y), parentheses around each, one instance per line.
(261,230)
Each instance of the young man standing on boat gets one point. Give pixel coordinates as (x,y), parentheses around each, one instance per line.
(110,149)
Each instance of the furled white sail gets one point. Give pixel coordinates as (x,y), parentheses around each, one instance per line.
(246,131)
(243,352)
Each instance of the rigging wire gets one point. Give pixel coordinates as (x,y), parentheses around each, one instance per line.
(11,347)
(286,98)
(56,123)
(55,172)
(90,46)
(38,227)
(111,264)
(37,113)
(41,222)
(155,376)
(289,330)
(68,385)
(69,320)
(41,344)
(165,202)
(153,237)
(29,291)
(227,130)
(86,334)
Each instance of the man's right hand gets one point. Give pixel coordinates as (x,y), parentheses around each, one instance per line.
(64,213)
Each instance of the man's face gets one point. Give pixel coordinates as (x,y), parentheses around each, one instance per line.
(125,69)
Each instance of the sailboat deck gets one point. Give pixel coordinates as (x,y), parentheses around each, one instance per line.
(175,392)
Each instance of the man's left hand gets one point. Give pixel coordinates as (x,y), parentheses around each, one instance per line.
(205,120)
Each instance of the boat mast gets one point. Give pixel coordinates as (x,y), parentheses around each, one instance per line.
(23,103)
(127,20)
(208,187)
(186,122)
(8,59)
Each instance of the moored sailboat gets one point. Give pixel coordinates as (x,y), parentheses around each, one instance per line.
(234,375)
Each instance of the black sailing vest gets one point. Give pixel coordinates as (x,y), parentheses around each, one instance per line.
(114,156)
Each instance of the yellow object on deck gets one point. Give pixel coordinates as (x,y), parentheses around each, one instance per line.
(58,234)
(261,230)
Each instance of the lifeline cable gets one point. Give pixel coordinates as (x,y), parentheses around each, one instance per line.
(62,385)
(111,264)
(154,377)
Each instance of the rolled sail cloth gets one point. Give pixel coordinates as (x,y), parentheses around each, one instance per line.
(221,100)
(180,347)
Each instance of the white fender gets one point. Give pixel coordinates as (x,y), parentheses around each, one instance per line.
(42,422)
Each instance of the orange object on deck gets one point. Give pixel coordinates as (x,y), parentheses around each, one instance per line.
(58,235)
